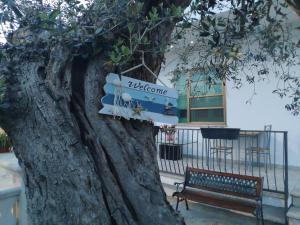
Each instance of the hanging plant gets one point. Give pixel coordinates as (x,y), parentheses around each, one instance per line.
(170,132)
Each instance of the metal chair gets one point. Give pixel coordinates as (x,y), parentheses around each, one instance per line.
(220,148)
(219,145)
(261,149)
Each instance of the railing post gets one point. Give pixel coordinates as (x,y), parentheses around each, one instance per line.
(286,175)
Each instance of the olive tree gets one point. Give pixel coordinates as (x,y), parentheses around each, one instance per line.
(80,167)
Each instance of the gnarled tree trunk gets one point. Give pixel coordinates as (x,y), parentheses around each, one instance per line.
(81,168)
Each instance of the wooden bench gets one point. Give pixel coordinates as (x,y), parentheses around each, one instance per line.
(225,190)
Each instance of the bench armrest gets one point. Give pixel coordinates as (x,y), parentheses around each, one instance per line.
(178,185)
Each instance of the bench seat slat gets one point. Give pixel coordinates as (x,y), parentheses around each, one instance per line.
(225,190)
(225,197)
(220,202)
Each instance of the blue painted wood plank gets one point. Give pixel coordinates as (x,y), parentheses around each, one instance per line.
(148,101)
(145,115)
(147,106)
(110,89)
(142,86)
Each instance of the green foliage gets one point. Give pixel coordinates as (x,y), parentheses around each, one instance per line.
(253,34)
(53,15)
(121,30)
(48,21)
(2,89)
(176,11)
(11,5)
(5,141)
(120,52)
(153,16)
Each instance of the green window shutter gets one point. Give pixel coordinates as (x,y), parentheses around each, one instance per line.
(182,98)
(204,102)
(207,115)
(206,98)
(203,84)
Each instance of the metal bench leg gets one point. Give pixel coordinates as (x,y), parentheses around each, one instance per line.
(177,204)
(270,162)
(186,204)
(262,215)
(257,215)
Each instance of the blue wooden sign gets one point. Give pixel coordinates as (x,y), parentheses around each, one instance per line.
(135,99)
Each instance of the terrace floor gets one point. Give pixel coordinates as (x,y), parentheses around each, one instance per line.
(199,214)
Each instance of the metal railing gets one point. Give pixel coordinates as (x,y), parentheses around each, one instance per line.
(255,152)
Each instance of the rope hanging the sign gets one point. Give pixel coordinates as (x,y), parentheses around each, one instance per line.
(143,64)
(122,101)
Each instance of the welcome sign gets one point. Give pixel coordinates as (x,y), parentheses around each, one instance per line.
(147,87)
(135,99)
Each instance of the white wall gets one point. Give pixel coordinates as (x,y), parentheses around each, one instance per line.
(265,108)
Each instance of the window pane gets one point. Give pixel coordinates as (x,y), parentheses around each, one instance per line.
(182,108)
(182,98)
(182,116)
(204,83)
(207,115)
(180,84)
(182,102)
(201,89)
(209,92)
(215,101)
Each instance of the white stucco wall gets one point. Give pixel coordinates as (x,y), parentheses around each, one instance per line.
(265,108)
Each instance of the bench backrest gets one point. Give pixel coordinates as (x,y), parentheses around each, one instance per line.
(227,183)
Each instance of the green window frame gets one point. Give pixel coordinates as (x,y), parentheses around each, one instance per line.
(201,98)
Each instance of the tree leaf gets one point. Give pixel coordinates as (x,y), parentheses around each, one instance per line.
(11,4)
(52,16)
(99,30)
(205,25)
(125,50)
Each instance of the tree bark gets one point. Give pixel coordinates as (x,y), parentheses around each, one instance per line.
(80,167)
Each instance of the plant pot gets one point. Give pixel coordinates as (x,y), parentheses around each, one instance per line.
(170,151)
(220,133)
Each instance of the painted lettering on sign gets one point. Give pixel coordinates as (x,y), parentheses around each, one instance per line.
(147,88)
(135,99)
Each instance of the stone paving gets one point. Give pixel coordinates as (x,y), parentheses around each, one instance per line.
(199,214)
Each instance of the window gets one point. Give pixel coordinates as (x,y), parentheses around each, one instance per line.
(201,98)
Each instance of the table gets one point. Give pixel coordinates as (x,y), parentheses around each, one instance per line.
(253,134)
(217,143)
